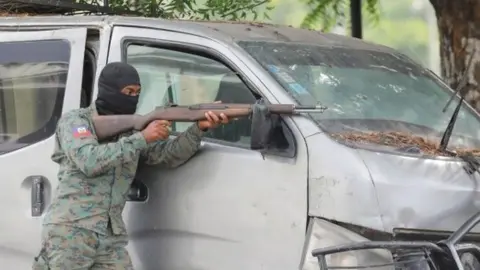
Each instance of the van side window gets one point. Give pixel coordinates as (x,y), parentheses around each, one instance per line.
(169,76)
(32,86)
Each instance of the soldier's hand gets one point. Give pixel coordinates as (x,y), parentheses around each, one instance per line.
(213,120)
(156,130)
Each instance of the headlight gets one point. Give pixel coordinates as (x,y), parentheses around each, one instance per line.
(322,234)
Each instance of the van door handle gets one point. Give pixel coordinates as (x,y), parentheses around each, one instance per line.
(38,195)
(138,192)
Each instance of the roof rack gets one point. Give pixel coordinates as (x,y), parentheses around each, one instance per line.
(59,7)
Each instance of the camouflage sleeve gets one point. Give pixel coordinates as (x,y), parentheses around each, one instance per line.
(82,148)
(175,152)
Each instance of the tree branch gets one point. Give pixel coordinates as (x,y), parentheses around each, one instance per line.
(249,7)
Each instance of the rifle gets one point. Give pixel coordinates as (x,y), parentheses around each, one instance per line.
(111,125)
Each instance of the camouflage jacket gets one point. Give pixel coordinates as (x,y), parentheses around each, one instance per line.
(94,178)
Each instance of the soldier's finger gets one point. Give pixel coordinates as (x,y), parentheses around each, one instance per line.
(208,117)
(157,124)
(161,127)
(214,117)
(163,123)
(156,128)
(164,128)
(152,124)
(224,118)
(164,134)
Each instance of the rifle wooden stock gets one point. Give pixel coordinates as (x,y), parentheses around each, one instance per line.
(107,126)
(111,125)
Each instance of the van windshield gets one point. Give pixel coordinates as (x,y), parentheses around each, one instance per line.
(373,98)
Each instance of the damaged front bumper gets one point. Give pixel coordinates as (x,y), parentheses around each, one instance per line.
(448,254)
(324,234)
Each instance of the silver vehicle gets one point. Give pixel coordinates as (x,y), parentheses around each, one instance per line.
(231,207)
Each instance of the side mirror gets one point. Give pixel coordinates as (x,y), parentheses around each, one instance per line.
(263,123)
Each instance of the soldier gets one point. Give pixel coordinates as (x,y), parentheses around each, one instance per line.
(83,226)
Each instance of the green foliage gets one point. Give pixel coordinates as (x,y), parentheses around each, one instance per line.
(325,14)
(413,43)
(392,23)
(194,9)
(396,24)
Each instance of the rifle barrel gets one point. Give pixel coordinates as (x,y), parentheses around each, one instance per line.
(309,109)
(296,109)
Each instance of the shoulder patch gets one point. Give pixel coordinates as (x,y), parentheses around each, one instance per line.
(81,131)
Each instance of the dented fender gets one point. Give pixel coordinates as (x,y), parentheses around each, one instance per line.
(340,185)
(384,191)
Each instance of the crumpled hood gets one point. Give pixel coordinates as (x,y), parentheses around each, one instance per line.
(384,191)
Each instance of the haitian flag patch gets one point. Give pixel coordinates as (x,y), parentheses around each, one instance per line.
(81,131)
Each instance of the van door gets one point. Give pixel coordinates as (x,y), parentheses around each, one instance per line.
(40,78)
(229,207)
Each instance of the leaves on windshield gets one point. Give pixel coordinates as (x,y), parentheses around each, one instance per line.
(403,140)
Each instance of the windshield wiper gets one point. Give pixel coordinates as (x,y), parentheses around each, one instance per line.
(451,124)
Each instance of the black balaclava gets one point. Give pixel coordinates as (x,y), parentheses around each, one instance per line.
(113,78)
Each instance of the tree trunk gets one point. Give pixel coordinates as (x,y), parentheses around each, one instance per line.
(459,33)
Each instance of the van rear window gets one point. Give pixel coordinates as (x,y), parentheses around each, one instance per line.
(33,75)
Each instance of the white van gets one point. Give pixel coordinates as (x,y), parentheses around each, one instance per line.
(231,207)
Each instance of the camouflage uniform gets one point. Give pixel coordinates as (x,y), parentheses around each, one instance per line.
(83,226)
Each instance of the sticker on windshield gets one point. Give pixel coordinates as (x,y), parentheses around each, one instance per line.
(273,68)
(285,77)
(298,88)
